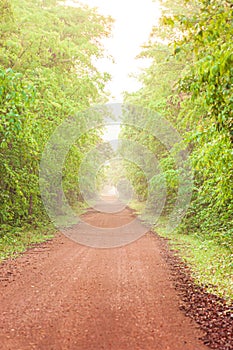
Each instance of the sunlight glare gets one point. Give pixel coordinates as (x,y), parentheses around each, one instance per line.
(133,23)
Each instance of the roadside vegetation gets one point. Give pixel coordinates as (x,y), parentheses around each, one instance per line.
(46,74)
(190,83)
(210,263)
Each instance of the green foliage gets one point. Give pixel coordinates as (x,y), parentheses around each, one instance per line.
(211,264)
(208,83)
(18,239)
(211,73)
(46,75)
(189,82)
(19,150)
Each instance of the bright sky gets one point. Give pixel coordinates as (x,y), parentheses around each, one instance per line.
(134,20)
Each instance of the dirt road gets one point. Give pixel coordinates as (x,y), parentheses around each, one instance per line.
(61,295)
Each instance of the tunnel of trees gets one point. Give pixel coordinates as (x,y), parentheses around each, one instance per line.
(47,74)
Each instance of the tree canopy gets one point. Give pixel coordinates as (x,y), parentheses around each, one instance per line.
(189,82)
(46,75)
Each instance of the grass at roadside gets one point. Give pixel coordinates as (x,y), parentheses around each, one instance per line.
(15,240)
(211,264)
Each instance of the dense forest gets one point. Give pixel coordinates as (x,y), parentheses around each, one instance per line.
(46,74)
(189,82)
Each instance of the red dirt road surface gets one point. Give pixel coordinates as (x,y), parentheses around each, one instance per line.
(61,295)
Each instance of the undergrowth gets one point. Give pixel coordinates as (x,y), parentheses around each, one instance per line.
(211,263)
(18,239)
(15,240)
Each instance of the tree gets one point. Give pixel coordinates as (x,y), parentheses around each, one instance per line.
(46,73)
(196,96)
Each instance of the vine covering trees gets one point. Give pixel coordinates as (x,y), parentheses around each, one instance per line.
(190,83)
(46,74)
